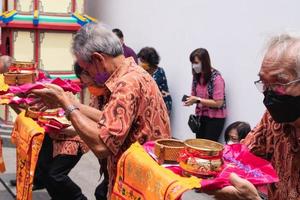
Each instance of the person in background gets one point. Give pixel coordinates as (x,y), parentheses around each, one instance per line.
(128,52)
(208,93)
(5,63)
(148,58)
(236,131)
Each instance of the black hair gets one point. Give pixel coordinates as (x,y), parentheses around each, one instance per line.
(203,55)
(242,129)
(77,69)
(149,55)
(118,32)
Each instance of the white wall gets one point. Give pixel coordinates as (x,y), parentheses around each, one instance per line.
(233,31)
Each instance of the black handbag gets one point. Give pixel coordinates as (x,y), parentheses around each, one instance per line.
(194,123)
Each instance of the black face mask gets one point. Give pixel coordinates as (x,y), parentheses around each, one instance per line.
(283,108)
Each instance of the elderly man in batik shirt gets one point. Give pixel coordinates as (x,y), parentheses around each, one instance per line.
(277,136)
(135,110)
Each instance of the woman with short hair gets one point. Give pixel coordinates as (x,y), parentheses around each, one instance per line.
(148,58)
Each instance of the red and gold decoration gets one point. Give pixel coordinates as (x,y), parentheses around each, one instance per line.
(201,157)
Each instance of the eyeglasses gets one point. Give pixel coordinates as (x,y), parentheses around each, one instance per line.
(276,87)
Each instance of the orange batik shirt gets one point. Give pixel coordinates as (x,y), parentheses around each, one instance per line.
(280,144)
(134,112)
(28,137)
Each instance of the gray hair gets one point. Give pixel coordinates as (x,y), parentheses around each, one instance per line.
(6,61)
(95,37)
(283,44)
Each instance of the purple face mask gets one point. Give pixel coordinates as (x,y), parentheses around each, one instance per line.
(101,78)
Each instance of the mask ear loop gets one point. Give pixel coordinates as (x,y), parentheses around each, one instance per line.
(95,63)
(104,70)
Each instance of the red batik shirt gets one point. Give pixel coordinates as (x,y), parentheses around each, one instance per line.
(280,144)
(134,112)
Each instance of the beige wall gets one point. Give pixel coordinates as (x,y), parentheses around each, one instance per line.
(23,46)
(55,52)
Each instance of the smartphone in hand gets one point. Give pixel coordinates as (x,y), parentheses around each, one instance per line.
(184,98)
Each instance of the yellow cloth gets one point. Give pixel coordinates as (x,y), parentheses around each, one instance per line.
(3,86)
(4,101)
(140,177)
(28,137)
(2,165)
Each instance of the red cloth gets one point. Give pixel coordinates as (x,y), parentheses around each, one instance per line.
(237,159)
(66,85)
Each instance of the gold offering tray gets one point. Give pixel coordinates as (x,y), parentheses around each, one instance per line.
(19,78)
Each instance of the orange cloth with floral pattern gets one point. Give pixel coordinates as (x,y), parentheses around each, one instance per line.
(140,177)
(2,165)
(134,112)
(280,144)
(28,137)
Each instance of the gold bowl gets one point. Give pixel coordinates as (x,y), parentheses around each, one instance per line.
(204,148)
(22,65)
(32,112)
(51,112)
(203,157)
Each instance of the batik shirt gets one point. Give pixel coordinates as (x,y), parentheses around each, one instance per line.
(134,112)
(280,144)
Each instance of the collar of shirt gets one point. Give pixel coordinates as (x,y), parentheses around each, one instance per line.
(119,72)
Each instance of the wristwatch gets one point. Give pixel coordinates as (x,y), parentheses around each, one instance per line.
(198,101)
(69,109)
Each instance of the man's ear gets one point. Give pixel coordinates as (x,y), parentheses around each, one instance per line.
(98,57)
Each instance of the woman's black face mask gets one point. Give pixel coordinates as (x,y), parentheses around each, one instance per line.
(283,108)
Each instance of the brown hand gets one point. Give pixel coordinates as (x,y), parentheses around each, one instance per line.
(241,189)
